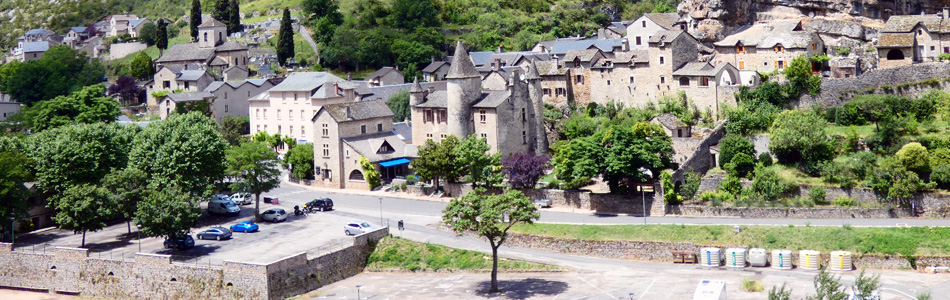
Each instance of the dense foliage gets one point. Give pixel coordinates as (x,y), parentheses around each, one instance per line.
(524,169)
(59,72)
(87,106)
(256,170)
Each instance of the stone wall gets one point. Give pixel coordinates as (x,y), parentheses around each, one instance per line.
(835,91)
(117,51)
(155,276)
(662,251)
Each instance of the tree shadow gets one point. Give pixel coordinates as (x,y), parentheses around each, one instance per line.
(522,288)
(106,246)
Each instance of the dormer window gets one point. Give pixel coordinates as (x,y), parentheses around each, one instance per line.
(778,48)
(740,49)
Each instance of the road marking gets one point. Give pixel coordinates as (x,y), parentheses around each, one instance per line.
(899,292)
(648,288)
(594,286)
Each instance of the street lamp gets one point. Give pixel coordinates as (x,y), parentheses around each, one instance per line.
(643,193)
(139,231)
(12,233)
(380,211)
(357,292)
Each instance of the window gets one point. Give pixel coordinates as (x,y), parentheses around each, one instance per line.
(279,129)
(303,131)
(445,115)
(684,81)
(265,116)
(278,114)
(325,130)
(438,117)
(347,153)
(933,48)
(258,128)
(206,36)
(379,127)
(442,136)
(946,49)
(283,97)
(662,79)
(363,129)
(631,79)
(638,41)
(780,64)
(741,65)
(778,48)
(524,137)
(295,97)
(301,116)
(225,108)
(483,135)
(167,84)
(814,46)
(740,49)
(187,85)
(290,114)
(579,79)
(225,95)
(703,81)
(481,116)
(560,91)
(291,131)
(662,60)
(428,136)
(608,82)
(523,115)
(643,24)
(546,92)
(428,116)
(257,112)
(326,150)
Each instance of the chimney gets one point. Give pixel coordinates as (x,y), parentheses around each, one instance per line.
(348,113)
(349,76)
(946,12)
(500,49)
(336,90)
(497,64)
(431,59)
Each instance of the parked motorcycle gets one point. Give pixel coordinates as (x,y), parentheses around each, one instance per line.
(298,212)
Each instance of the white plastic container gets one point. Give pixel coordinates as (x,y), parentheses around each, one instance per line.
(758,257)
(735,257)
(840,261)
(809,260)
(782,259)
(710,257)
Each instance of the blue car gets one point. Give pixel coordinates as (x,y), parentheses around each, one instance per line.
(246,226)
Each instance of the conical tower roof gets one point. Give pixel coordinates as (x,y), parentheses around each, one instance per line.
(462,66)
(532,72)
(415,88)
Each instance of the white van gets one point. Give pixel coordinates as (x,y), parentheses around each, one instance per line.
(222,205)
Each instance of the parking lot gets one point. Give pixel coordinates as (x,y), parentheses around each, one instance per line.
(313,233)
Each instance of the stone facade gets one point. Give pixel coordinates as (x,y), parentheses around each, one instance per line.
(155,276)
(231,97)
(169,79)
(835,91)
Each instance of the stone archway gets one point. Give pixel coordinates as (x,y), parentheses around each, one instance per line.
(895,54)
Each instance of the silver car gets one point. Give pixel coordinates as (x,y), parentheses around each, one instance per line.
(357,228)
(274,215)
(242,198)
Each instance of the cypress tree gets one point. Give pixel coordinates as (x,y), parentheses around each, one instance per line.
(161,41)
(285,39)
(195,18)
(235,24)
(221,13)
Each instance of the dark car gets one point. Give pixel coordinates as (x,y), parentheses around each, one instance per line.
(321,204)
(180,242)
(215,233)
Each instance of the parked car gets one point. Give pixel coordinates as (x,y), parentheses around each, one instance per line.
(274,215)
(223,206)
(357,228)
(242,198)
(246,226)
(542,203)
(215,233)
(180,242)
(321,204)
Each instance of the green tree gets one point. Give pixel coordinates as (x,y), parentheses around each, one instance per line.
(233,129)
(915,158)
(798,137)
(14,172)
(61,70)
(149,33)
(79,154)
(82,208)
(827,287)
(221,12)
(161,38)
(142,67)
(627,151)
(780,293)
(195,19)
(129,186)
(234,23)
(410,14)
(183,150)
(734,144)
(669,190)
(285,39)
(489,216)
(866,285)
(768,184)
(372,176)
(799,72)
(300,159)
(892,180)
(399,104)
(84,106)
(167,211)
(577,162)
(740,166)
(314,10)
(472,155)
(438,161)
(256,168)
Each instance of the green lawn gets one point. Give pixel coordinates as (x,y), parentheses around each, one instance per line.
(907,241)
(863,131)
(264,5)
(396,254)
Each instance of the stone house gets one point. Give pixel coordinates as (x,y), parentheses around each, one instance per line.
(672,125)
(914,38)
(350,130)
(8,107)
(512,59)
(231,97)
(510,120)
(168,104)
(33,50)
(497,79)
(212,51)
(119,24)
(174,78)
(639,32)
(708,86)
(435,71)
(78,33)
(546,46)
(288,108)
(768,47)
(135,27)
(556,85)
(386,76)
(38,35)
(608,47)
(844,67)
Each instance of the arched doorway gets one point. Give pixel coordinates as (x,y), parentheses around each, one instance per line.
(895,54)
(356,175)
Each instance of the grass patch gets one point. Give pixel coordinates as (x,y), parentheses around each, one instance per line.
(396,254)
(750,285)
(862,131)
(904,241)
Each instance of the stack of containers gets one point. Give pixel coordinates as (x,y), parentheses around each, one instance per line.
(710,257)
(735,257)
(758,257)
(782,259)
(809,260)
(840,261)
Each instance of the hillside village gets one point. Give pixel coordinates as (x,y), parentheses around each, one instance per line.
(790,112)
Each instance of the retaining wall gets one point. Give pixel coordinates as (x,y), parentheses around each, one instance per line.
(835,91)
(117,51)
(155,276)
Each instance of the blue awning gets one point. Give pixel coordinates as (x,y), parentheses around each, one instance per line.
(394,162)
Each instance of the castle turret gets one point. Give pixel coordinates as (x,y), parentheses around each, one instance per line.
(537,109)
(463,90)
(416,93)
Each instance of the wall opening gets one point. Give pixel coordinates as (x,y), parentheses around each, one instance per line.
(895,54)
(53,268)
(173,279)
(356,175)
(110,274)
(229,285)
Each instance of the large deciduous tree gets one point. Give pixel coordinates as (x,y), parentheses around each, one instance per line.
(734,144)
(233,129)
(438,161)
(285,39)
(149,33)
(167,211)
(489,216)
(127,91)
(79,154)
(60,71)
(195,19)
(83,207)
(141,67)
(300,159)
(399,104)
(14,172)
(828,287)
(798,137)
(524,169)
(472,155)
(87,106)
(185,150)
(256,168)
(130,187)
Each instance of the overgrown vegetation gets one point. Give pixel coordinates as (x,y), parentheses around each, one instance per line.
(397,254)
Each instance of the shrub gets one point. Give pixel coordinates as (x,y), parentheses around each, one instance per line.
(798,137)
(941,176)
(734,144)
(690,185)
(741,165)
(817,194)
(765,159)
(750,285)
(731,185)
(944,56)
(843,51)
(844,201)
(669,194)
(412,179)
(915,158)
(768,184)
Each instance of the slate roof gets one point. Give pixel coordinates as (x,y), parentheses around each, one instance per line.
(632,56)
(211,22)
(788,33)
(665,20)
(696,68)
(78,29)
(434,66)
(435,99)
(41,46)
(191,75)
(215,85)
(186,52)
(511,58)
(665,36)
(478,58)
(137,22)
(906,23)
(532,71)
(305,81)
(379,73)
(562,47)
(359,110)
(549,44)
(492,99)
(38,32)
(230,46)
(403,131)
(670,121)
(387,91)
(218,61)
(463,66)
(368,145)
(550,68)
(415,88)
(746,35)
(583,55)
(190,96)
(895,40)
